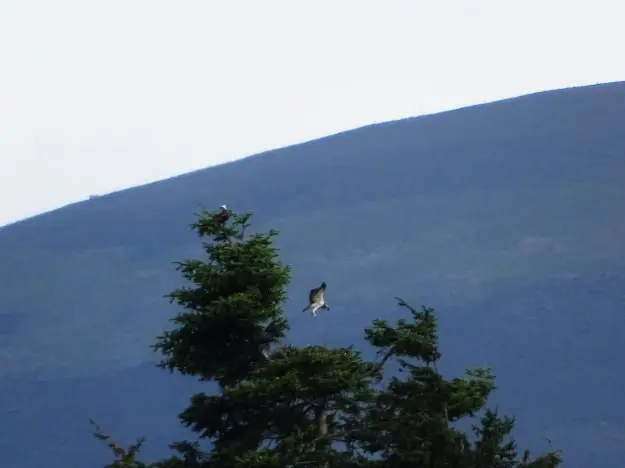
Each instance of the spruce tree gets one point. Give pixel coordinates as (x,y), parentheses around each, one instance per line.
(413,417)
(274,400)
(278,405)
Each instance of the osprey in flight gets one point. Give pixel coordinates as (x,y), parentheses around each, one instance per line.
(222,216)
(316,300)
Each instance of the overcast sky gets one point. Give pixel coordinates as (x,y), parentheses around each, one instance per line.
(100,95)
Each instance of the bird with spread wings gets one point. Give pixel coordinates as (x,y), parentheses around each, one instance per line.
(316,300)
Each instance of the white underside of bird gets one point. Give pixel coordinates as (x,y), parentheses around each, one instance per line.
(315,306)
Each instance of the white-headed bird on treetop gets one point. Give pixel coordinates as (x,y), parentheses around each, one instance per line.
(316,300)
(222,216)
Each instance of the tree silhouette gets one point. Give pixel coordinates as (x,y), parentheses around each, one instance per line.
(279,405)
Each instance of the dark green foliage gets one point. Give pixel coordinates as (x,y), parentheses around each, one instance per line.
(233,306)
(284,406)
(124,458)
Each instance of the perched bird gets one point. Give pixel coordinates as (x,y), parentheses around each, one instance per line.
(316,300)
(223,215)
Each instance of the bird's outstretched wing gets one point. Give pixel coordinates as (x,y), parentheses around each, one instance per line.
(312,296)
(316,294)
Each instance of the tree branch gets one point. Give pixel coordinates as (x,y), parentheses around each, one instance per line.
(378,367)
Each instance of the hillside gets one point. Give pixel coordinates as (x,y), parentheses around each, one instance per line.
(506,217)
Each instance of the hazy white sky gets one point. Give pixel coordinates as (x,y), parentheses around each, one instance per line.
(100,95)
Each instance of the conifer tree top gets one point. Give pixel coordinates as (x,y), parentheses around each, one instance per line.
(231,305)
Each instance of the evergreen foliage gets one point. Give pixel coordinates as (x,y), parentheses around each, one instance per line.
(284,406)
(124,458)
